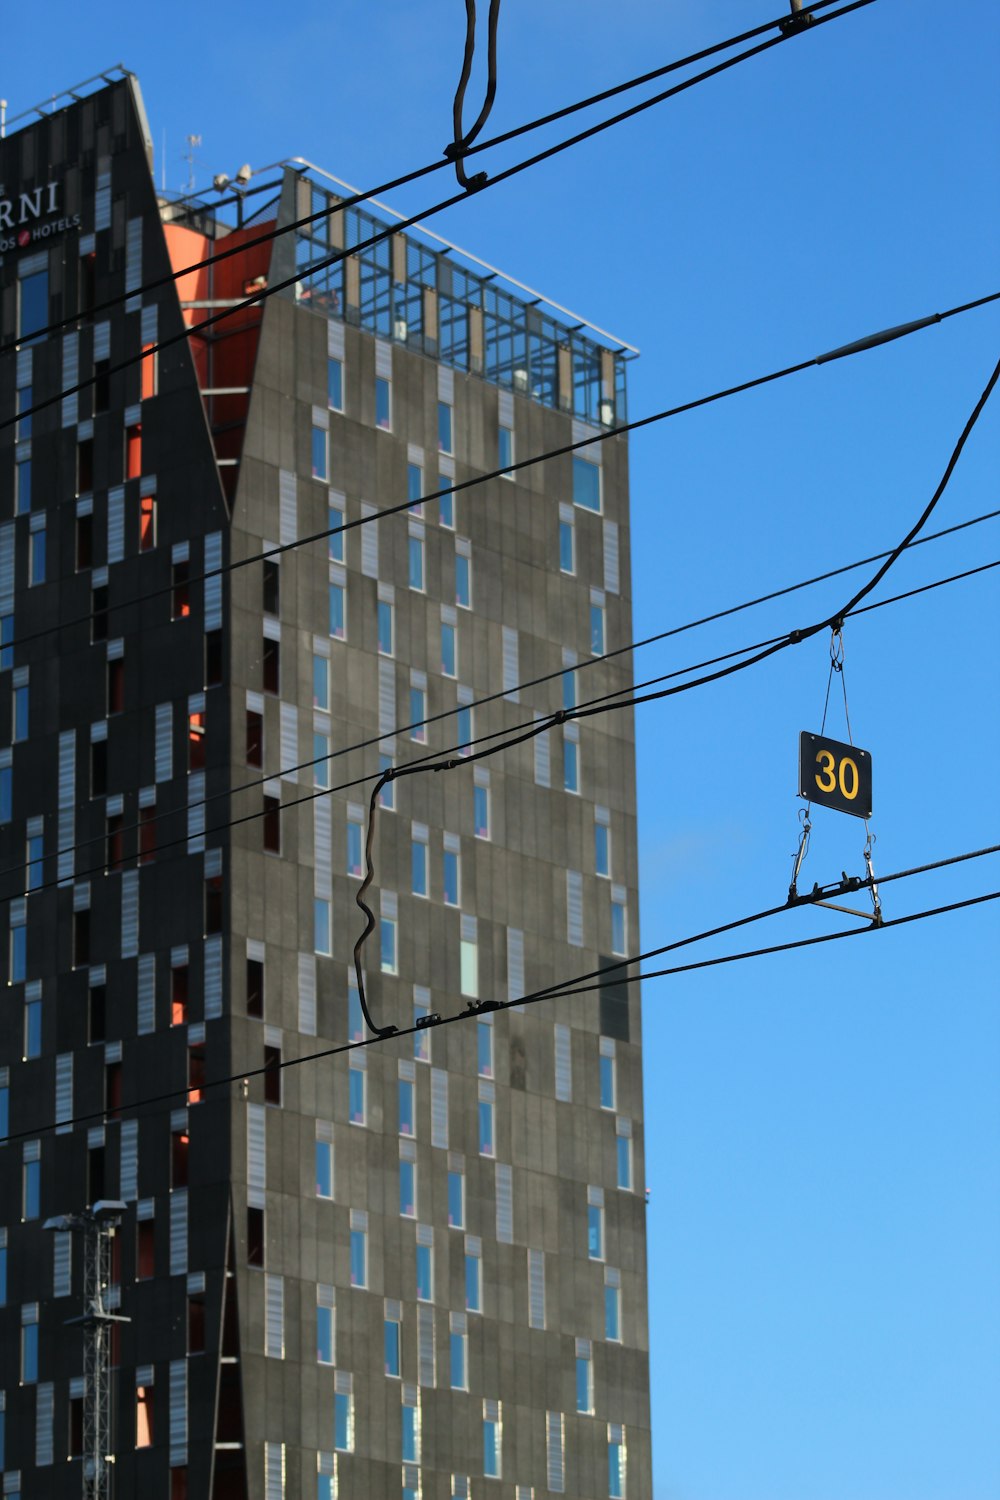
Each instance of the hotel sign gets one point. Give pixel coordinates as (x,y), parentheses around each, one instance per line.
(29,217)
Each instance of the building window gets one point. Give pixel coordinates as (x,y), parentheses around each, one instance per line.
(31,1184)
(452,874)
(619,923)
(33,304)
(6,793)
(383,403)
(272,1074)
(584,1377)
(446,507)
(144,1416)
(255,739)
(19,724)
(335,384)
(22,427)
(355,842)
(419,880)
(612,1312)
(32,1028)
(415,488)
(33,851)
(464,729)
(446,435)
(387,796)
(487,1121)
(569,689)
(325,1326)
(456,1199)
(133,451)
(321,762)
(492,1440)
(180,590)
(586,483)
(321,683)
(422,1037)
(322,927)
(484,1049)
(473,1278)
(22,487)
(411,1427)
(407,1109)
(6,637)
(343,1421)
(320,453)
(271,586)
(425,1273)
(407,1188)
(387,946)
(335,544)
(595,1226)
(597,637)
(418,714)
(505,449)
(449,649)
(623,1144)
(386,628)
(29,1343)
(84,543)
(469,958)
(616,1462)
(458,1354)
(606,1073)
(602,843)
(338,611)
(355,1020)
(147,523)
(18,962)
(463,580)
(571,761)
(196,739)
(415,555)
(391,1341)
(356,1092)
(271,665)
(481,810)
(359,1253)
(567,541)
(324,1168)
(36,557)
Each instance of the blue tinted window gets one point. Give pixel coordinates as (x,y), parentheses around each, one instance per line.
(335,384)
(586,484)
(324,1169)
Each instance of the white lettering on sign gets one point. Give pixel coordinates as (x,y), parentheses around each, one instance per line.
(18,215)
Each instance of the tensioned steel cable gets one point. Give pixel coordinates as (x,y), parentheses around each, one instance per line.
(435,166)
(474,1010)
(150,350)
(462,140)
(450,713)
(859,346)
(520,734)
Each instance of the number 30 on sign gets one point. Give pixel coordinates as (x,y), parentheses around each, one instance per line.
(835,775)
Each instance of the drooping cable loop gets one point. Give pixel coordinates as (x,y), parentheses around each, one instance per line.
(462,140)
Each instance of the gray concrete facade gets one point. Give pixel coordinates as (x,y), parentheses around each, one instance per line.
(478,1186)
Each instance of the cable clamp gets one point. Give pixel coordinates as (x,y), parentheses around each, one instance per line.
(433,1019)
(797,21)
(477,1007)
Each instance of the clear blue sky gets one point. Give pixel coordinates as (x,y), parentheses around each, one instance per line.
(822,1127)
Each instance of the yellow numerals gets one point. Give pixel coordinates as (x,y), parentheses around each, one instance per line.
(833,774)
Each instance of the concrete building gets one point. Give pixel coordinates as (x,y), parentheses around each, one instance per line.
(416,1268)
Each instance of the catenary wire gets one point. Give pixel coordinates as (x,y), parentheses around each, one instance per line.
(534,997)
(152,349)
(415,175)
(462,140)
(859,346)
(424,762)
(592,661)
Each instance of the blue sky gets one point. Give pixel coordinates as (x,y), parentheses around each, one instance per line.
(822,1127)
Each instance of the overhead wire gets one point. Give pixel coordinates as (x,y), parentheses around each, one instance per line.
(152,349)
(462,140)
(519,732)
(581,985)
(859,346)
(416,174)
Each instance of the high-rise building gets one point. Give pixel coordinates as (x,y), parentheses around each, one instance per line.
(416,1268)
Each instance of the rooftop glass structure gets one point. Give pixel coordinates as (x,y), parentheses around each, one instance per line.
(403,289)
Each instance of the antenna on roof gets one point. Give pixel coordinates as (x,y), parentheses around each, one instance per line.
(193,141)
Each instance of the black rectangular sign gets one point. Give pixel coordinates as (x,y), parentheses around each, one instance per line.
(835,775)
